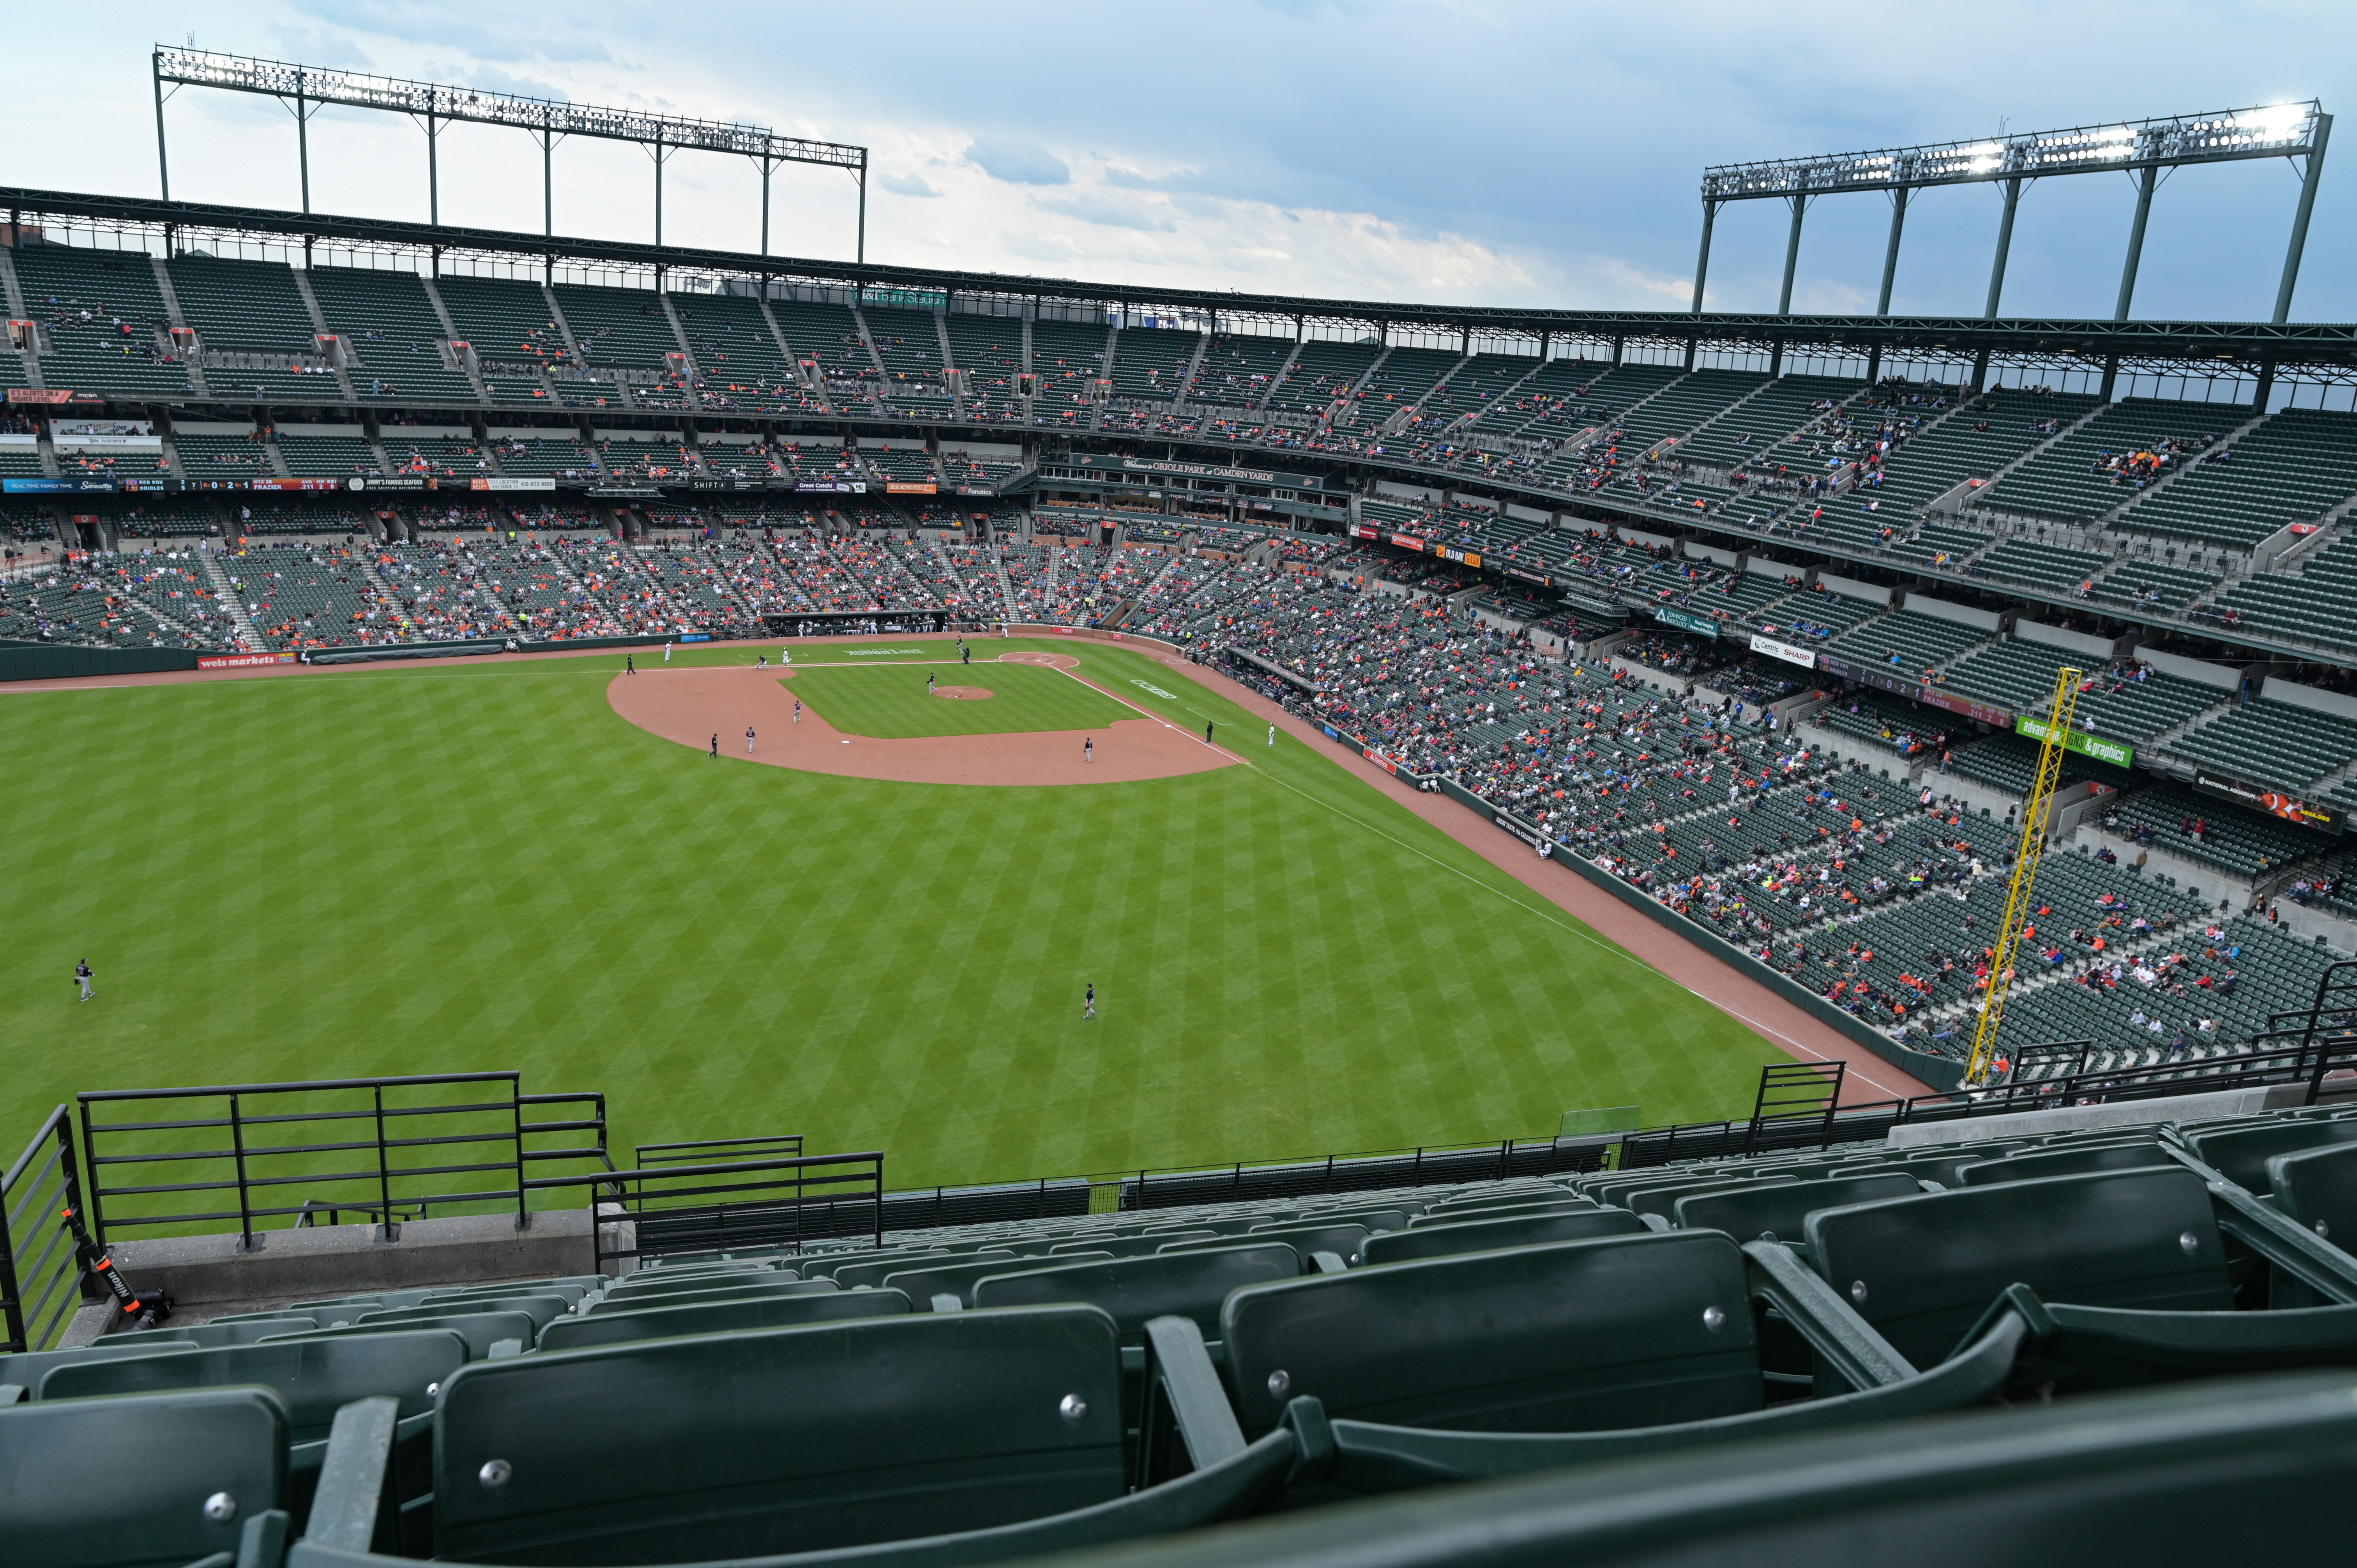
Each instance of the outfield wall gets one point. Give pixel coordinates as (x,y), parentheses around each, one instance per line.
(44,661)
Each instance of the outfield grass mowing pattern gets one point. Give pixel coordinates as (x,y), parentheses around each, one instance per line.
(480,866)
(889,702)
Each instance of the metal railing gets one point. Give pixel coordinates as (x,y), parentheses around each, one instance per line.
(705,1151)
(192,1159)
(40,1283)
(772,1204)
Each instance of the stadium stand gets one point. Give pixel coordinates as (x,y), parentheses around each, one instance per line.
(1151,362)
(736,356)
(2102,464)
(395,337)
(258,335)
(108,328)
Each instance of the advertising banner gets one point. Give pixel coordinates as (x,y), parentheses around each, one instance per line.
(242,660)
(1379,760)
(1985,713)
(49,395)
(833,487)
(910,487)
(1365,530)
(1469,557)
(1407,542)
(57,487)
(1525,574)
(295,484)
(504,483)
(1686,620)
(2274,803)
(2119,754)
(1806,658)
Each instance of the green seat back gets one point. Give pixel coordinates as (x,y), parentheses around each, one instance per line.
(539,1308)
(1388,1218)
(312,1376)
(804,1439)
(719,1317)
(1923,1269)
(1345,1242)
(2065,1162)
(922,1284)
(123,1484)
(878,1267)
(572,1290)
(1581,1336)
(1136,1290)
(687,1280)
(744,1290)
(1775,1209)
(2241,1154)
(1482,1215)
(25,1368)
(1663,1201)
(1516,1197)
(1142,1245)
(1485,1235)
(210,1335)
(2316,1187)
(481,1330)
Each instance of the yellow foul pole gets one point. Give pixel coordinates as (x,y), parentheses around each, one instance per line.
(2019,900)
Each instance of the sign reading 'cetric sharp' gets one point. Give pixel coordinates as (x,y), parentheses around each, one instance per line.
(1806,658)
(2119,754)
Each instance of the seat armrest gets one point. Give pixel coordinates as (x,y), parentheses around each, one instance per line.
(1846,1342)
(2284,1242)
(1184,1397)
(349,1505)
(1327,1263)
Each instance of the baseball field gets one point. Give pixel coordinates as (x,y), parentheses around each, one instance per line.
(478,863)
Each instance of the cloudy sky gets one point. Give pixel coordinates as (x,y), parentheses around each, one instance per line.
(1376,149)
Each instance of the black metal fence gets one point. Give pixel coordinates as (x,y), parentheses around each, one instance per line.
(740,1204)
(40,1283)
(203,1159)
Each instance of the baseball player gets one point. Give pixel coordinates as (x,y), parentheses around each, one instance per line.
(1089,1000)
(83,976)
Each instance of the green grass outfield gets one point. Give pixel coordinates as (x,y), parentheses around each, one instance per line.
(889,701)
(477,864)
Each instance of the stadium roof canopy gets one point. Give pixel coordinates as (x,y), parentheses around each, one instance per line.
(2329,349)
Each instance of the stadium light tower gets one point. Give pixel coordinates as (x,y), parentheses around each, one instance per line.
(304,90)
(2141,149)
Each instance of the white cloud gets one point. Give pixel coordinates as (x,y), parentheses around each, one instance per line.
(906,185)
(1018,160)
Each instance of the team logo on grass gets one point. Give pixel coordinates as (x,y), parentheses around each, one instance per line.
(1169,697)
(878,652)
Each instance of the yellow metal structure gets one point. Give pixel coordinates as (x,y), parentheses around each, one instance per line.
(2018,898)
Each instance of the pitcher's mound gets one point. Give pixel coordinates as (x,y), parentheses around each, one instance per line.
(961,694)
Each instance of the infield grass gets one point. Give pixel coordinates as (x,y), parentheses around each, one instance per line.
(889,701)
(477,864)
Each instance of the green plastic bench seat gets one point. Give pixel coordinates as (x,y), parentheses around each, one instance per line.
(743,1291)
(2241,1154)
(1133,1291)
(125,1483)
(539,1308)
(951,1438)
(312,1376)
(1777,1210)
(2065,1162)
(1345,1241)
(1486,1235)
(481,1330)
(922,1285)
(719,1317)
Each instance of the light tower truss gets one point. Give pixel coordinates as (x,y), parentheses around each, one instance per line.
(304,90)
(2141,149)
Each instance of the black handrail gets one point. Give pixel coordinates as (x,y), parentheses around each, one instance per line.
(765,1203)
(261,1140)
(39,1274)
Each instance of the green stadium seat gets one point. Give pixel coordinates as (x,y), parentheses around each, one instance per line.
(152,1481)
(481,1330)
(2317,1188)
(1477,1214)
(210,1335)
(719,1317)
(2065,1162)
(997,1429)
(20,1374)
(1345,1241)
(539,1308)
(1777,1210)
(1138,1246)
(750,1287)
(1133,1291)
(2241,1154)
(2124,1274)
(1485,1235)
(312,1376)
(1522,1360)
(958,1280)
(2198,1474)
(869,1268)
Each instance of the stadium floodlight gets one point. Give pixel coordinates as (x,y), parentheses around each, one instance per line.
(304,90)
(2141,148)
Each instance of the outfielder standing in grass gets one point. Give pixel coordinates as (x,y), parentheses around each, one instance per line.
(83,976)
(1089,1000)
